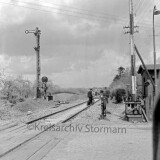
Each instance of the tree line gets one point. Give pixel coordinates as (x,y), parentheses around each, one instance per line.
(19,89)
(122,80)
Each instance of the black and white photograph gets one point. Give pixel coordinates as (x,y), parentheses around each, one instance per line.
(79,79)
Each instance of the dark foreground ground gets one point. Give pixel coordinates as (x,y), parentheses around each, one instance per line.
(31,109)
(88,137)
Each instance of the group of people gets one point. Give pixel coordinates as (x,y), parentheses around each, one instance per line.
(104,95)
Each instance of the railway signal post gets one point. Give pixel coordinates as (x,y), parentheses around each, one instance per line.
(37,33)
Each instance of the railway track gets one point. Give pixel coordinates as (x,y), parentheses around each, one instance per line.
(15,137)
(15,127)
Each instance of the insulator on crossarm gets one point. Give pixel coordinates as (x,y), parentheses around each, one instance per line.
(26,31)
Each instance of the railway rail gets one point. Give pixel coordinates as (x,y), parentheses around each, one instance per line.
(14,137)
(16,126)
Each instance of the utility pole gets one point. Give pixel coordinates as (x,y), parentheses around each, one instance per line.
(133,57)
(132,51)
(155,12)
(37,33)
(154,55)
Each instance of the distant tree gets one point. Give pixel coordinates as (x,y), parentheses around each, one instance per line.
(121,71)
(7,88)
(2,78)
(116,78)
(17,88)
(124,81)
(50,86)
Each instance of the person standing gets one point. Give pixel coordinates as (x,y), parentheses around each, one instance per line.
(106,94)
(103,114)
(90,97)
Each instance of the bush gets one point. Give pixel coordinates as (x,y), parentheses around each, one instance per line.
(119,94)
(20,99)
(13,101)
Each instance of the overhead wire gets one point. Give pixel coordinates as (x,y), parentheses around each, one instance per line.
(144,11)
(145,14)
(108,19)
(119,21)
(136,9)
(47,11)
(102,19)
(158,4)
(140,5)
(80,9)
(75,12)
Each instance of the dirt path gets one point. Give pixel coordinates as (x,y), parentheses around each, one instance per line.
(115,115)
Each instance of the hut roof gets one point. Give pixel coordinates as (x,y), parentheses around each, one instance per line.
(149,67)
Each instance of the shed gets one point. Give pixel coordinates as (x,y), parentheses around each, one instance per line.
(147,87)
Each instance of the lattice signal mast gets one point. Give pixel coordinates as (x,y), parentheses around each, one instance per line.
(37,33)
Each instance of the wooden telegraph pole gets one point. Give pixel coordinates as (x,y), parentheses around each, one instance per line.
(37,33)
(132,51)
(133,57)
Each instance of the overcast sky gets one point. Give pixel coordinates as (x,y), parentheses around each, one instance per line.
(82,41)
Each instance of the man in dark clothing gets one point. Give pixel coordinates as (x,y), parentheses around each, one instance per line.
(90,96)
(103,106)
(105,98)
(106,94)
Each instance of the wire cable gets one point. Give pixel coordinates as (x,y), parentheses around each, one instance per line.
(79,9)
(75,12)
(119,21)
(62,13)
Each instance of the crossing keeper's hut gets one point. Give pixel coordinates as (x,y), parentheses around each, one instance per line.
(147,87)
